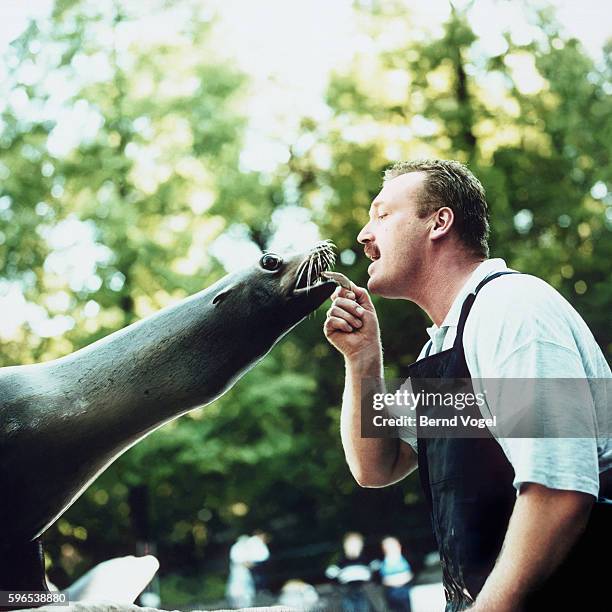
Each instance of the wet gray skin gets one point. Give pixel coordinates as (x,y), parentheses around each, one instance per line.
(63,422)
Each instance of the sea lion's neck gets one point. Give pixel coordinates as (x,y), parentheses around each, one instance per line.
(65,421)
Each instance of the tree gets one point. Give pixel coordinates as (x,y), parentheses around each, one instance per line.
(153,176)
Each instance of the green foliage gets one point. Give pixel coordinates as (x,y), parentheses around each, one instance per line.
(160,178)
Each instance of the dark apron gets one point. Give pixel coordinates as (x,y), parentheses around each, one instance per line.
(467,483)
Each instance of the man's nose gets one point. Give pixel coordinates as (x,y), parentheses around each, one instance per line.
(365,235)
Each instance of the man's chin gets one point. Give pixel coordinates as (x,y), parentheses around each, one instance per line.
(377,286)
(372,285)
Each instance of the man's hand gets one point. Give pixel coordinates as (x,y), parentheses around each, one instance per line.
(351,325)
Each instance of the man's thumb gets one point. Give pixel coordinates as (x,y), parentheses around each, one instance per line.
(362,297)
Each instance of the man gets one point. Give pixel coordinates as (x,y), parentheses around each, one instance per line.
(246,553)
(396,575)
(352,572)
(515,519)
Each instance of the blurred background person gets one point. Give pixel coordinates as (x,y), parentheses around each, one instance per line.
(240,591)
(396,575)
(353,573)
(246,553)
(299,595)
(260,555)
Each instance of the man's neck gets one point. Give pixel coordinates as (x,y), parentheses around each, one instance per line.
(442,282)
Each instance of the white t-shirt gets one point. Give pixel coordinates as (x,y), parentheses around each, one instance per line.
(521,327)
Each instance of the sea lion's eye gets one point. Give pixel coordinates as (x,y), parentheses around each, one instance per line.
(271,262)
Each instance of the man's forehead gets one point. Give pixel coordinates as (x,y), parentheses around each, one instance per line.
(399,189)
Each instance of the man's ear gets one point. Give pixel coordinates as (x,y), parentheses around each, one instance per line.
(441,222)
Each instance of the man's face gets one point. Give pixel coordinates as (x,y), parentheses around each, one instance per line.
(394,237)
(391,547)
(353,545)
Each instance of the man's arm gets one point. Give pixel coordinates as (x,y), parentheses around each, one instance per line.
(374,462)
(544,525)
(352,327)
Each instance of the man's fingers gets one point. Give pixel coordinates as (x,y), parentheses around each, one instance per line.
(361,296)
(350,306)
(341,313)
(333,324)
(355,293)
(341,292)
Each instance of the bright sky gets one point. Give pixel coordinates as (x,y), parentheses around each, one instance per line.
(288,47)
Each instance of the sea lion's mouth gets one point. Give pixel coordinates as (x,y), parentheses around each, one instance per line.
(308,275)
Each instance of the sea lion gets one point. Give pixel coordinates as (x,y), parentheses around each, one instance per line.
(63,422)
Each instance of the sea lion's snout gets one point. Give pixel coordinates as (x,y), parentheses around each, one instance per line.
(281,290)
(311,265)
(305,287)
(281,282)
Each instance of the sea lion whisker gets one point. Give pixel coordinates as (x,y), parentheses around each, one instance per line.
(330,258)
(323,261)
(303,272)
(323,250)
(309,277)
(331,253)
(315,266)
(304,264)
(320,266)
(326,244)
(300,271)
(321,257)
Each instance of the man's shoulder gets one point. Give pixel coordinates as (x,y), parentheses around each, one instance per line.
(524,316)
(518,308)
(515,297)
(521,285)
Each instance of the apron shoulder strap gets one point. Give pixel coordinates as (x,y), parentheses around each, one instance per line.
(469,301)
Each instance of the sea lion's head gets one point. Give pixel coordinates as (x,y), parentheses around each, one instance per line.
(282,289)
(275,293)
